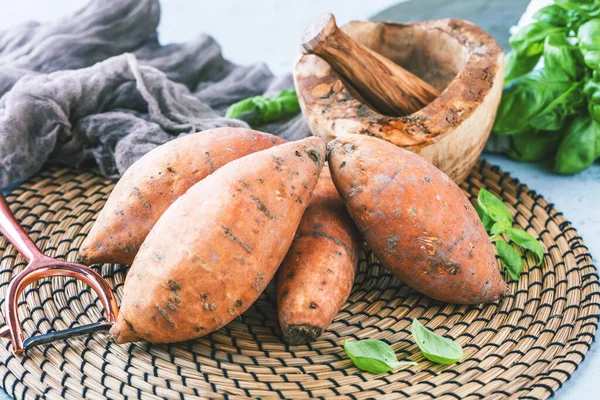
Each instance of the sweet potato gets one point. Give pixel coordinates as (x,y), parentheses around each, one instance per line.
(419,223)
(316,276)
(155,181)
(213,252)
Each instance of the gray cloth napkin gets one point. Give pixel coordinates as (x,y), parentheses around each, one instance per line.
(97,85)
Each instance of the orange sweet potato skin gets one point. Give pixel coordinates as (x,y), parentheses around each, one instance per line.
(419,223)
(316,276)
(155,181)
(214,251)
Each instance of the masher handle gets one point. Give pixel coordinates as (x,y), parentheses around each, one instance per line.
(14,233)
(386,86)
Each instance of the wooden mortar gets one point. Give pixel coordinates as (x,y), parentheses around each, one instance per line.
(457,58)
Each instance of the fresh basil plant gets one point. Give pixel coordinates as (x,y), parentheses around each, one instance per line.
(552,113)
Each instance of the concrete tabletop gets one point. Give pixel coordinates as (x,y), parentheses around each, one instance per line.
(268,31)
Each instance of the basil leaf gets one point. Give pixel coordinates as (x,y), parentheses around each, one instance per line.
(434,347)
(516,65)
(525,240)
(241,107)
(560,54)
(259,110)
(511,258)
(484,217)
(554,115)
(494,207)
(592,92)
(588,36)
(500,227)
(529,40)
(288,100)
(540,99)
(373,356)
(534,146)
(552,15)
(580,146)
(268,110)
(588,8)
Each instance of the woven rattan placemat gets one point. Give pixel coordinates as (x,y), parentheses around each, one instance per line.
(525,346)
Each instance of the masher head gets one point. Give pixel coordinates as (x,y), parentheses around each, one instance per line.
(40,267)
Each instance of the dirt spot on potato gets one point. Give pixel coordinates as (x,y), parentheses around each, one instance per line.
(157,256)
(173,285)
(318,234)
(391,243)
(263,208)
(313,306)
(165,314)
(141,197)
(245,183)
(210,306)
(350,148)
(229,235)
(259,282)
(354,190)
(315,156)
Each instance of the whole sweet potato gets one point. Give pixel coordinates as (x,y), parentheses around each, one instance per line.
(213,252)
(155,181)
(419,223)
(316,276)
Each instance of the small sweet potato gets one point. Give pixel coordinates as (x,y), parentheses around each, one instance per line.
(419,223)
(316,276)
(155,181)
(213,252)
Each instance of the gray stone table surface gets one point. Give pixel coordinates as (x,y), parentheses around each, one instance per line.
(268,30)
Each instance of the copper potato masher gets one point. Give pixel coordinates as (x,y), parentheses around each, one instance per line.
(41,266)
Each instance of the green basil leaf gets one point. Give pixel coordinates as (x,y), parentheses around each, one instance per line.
(434,347)
(540,99)
(259,110)
(529,40)
(592,92)
(373,356)
(268,110)
(560,54)
(554,115)
(241,107)
(494,207)
(500,227)
(580,146)
(534,146)
(511,258)
(484,217)
(588,36)
(525,240)
(552,15)
(516,65)
(587,8)
(288,100)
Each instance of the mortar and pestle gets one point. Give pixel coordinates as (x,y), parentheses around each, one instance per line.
(430,87)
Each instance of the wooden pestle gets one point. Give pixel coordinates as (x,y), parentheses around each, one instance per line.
(385,85)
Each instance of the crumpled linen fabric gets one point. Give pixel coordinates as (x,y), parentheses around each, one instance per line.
(99,86)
